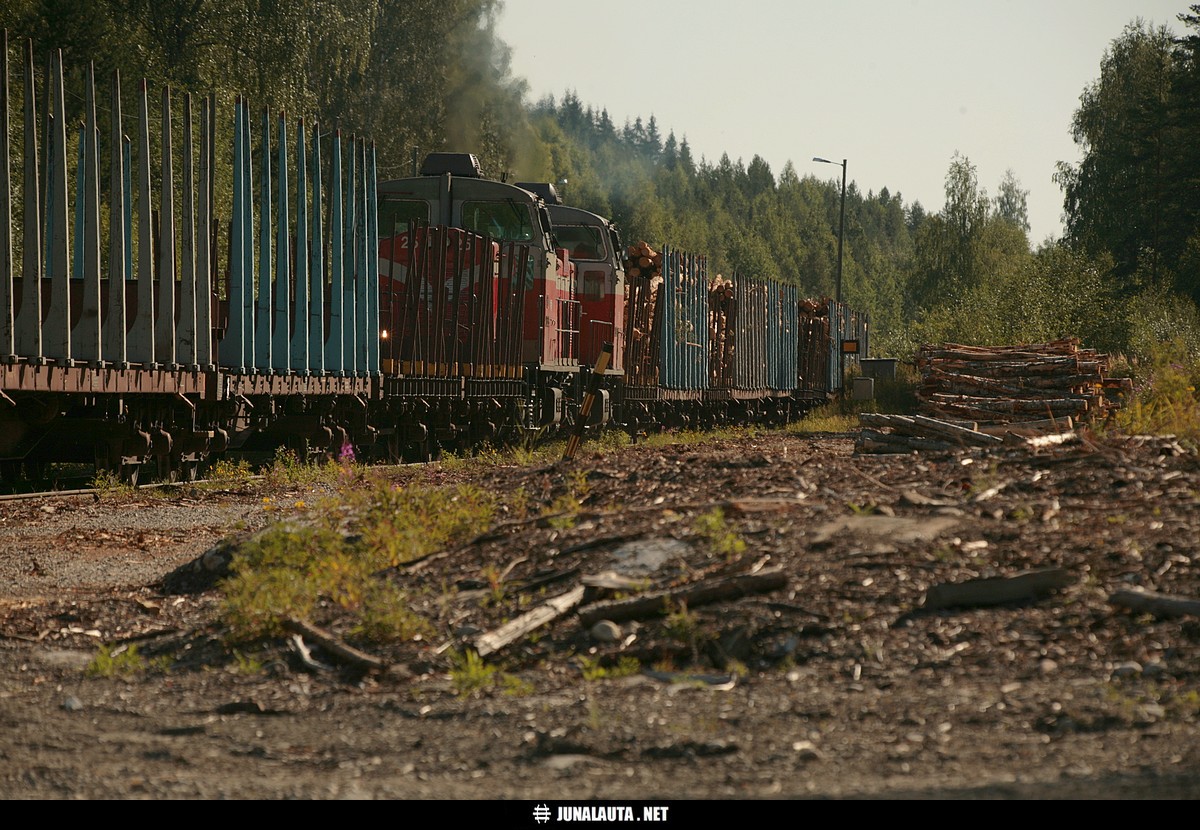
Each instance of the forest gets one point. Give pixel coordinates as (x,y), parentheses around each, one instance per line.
(423,75)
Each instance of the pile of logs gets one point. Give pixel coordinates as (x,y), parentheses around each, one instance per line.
(643,261)
(721,334)
(1010,384)
(1032,395)
(643,269)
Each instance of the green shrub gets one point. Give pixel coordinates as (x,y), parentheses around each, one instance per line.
(718,535)
(593,668)
(470,674)
(1165,401)
(228,473)
(331,563)
(399,524)
(1161,320)
(122,662)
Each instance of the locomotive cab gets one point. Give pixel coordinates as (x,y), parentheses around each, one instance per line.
(594,245)
(452,192)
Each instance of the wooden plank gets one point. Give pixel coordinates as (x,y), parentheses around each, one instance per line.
(492,641)
(341,651)
(997,590)
(1055,439)
(1045,426)
(689,595)
(1152,602)
(873,441)
(925,427)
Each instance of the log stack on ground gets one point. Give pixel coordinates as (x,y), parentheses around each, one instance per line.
(909,433)
(1032,395)
(1013,384)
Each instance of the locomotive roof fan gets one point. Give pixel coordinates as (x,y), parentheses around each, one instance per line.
(544,189)
(465,165)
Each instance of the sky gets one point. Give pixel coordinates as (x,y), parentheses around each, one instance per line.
(894,87)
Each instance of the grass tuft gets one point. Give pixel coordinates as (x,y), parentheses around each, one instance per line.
(723,540)
(1165,400)
(331,563)
(123,662)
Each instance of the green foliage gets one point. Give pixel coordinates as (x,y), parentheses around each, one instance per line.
(1165,401)
(288,470)
(110,487)
(385,614)
(612,440)
(282,573)
(227,473)
(682,625)
(594,669)
(471,675)
(1052,294)
(123,662)
(718,535)
(403,523)
(825,419)
(513,686)
(564,509)
(1135,126)
(1158,319)
(246,664)
(332,563)
(493,576)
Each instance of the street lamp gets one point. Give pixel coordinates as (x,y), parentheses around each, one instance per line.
(841,223)
(838,288)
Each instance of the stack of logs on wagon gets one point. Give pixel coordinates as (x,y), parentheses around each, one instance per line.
(980,395)
(728,338)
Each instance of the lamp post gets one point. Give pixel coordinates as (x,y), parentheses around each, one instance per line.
(841,223)
(838,286)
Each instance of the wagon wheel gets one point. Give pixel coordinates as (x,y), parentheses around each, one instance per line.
(130,474)
(188,471)
(393,451)
(10,471)
(167,469)
(419,452)
(36,471)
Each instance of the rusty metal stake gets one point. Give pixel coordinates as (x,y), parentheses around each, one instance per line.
(588,400)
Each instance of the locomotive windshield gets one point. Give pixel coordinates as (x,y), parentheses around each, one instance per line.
(395,215)
(506,221)
(585,242)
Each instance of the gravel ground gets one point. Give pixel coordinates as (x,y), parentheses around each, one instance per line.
(837,680)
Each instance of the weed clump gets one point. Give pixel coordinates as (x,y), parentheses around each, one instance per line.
(1165,400)
(594,669)
(123,662)
(470,675)
(723,540)
(331,564)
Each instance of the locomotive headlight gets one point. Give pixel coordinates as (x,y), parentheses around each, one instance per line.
(383,335)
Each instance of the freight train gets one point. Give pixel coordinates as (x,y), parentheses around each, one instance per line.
(149,327)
